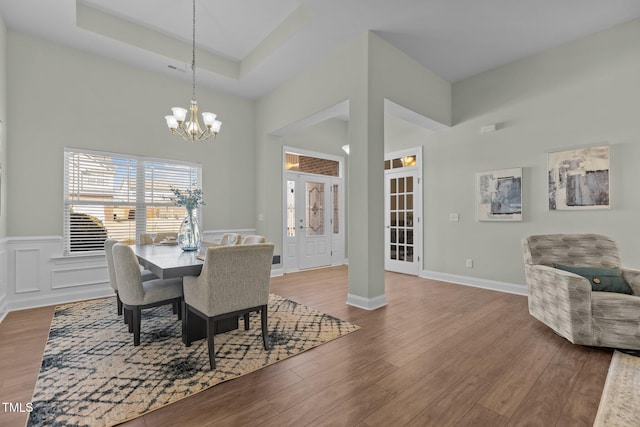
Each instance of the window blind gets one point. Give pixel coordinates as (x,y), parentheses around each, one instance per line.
(121,197)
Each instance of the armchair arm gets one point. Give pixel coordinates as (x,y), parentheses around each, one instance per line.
(195,292)
(633,279)
(561,300)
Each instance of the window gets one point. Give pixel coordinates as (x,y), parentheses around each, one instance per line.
(121,196)
(309,164)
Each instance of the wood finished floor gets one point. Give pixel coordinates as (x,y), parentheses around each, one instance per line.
(437,355)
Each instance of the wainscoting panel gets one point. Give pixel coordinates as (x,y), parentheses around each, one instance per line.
(83,276)
(34,272)
(38,274)
(27,267)
(4,308)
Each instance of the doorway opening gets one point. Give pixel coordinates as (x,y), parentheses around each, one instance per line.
(313,220)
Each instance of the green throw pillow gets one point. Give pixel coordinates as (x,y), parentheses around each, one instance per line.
(601,279)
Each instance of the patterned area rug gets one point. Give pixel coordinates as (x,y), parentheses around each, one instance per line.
(620,401)
(92,374)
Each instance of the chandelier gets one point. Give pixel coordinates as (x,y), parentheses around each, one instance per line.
(190,129)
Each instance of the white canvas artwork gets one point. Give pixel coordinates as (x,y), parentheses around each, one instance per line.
(500,195)
(579,179)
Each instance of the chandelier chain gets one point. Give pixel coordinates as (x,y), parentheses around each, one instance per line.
(193,52)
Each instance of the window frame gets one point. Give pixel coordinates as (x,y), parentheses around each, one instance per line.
(141,165)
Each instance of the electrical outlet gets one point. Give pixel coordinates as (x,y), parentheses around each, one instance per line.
(469,263)
(454,217)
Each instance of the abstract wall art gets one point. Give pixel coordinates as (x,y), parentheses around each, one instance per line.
(579,178)
(500,195)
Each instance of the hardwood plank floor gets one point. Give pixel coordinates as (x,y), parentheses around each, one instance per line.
(438,354)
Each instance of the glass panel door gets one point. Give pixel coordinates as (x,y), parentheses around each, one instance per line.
(400,232)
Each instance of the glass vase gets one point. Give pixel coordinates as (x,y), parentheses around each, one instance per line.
(189,237)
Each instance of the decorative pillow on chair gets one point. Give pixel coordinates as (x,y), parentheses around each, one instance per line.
(601,279)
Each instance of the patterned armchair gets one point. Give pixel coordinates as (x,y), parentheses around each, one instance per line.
(565,301)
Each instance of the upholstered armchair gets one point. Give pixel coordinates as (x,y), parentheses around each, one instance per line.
(137,295)
(565,301)
(234,282)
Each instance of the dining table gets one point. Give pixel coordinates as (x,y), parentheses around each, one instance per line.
(169,260)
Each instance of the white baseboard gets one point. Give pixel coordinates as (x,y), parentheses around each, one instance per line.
(367,303)
(277,272)
(493,285)
(4,308)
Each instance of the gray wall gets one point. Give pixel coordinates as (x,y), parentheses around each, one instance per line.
(582,93)
(64,97)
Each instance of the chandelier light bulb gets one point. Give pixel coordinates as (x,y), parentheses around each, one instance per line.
(171,122)
(208,119)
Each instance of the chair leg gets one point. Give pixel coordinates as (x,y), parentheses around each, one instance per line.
(127,319)
(210,334)
(246,321)
(119,304)
(265,329)
(177,305)
(174,307)
(186,338)
(136,325)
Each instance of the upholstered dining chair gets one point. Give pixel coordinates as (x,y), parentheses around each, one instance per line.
(234,281)
(227,239)
(108,253)
(145,238)
(137,295)
(579,289)
(253,239)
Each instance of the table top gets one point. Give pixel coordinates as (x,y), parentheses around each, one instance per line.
(168,261)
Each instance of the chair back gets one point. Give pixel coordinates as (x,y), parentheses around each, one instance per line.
(108,253)
(253,239)
(237,277)
(146,240)
(593,250)
(229,239)
(128,275)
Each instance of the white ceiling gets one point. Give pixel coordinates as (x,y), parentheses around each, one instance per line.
(249,47)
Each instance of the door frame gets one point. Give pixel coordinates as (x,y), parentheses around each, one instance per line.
(337,244)
(417,202)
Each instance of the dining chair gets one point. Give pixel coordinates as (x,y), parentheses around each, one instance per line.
(137,295)
(145,238)
(227,239)
(234,281)
(253,239)
(145,275)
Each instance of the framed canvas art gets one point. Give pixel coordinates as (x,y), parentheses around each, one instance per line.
(579,178)
(500,195)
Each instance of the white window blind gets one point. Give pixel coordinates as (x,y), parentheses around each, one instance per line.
(119,196)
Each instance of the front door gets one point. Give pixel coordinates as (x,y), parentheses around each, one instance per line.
(314,221)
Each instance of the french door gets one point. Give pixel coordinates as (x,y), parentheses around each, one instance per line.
(403,228)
